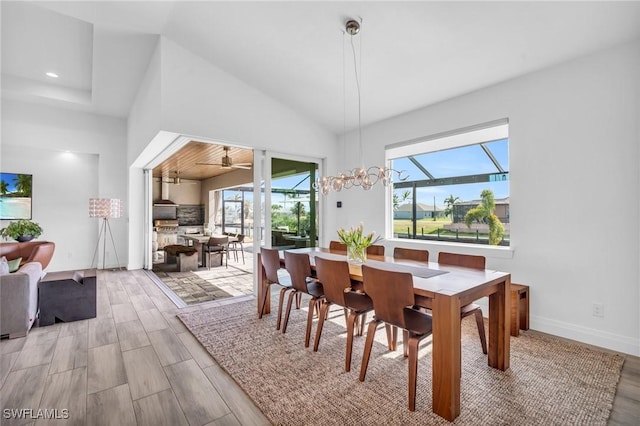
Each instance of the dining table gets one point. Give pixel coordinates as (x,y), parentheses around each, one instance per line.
(200,241)
(444,289)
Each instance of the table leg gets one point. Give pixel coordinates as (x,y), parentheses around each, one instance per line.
(262,279)
(446,356)
(499,326)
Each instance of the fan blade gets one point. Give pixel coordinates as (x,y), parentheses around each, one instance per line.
(241,166)
(208,164)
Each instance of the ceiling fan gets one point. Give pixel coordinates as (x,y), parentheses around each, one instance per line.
(227,162)
(177,180)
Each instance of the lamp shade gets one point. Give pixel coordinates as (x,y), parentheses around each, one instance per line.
(105,207)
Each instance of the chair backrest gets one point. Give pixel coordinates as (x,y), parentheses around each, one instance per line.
(240,238)
(411,254)
(218,241)
(334,276)
(390,291)
(270,259)
(466,260)
(375,250)
(337,246)
(299,267)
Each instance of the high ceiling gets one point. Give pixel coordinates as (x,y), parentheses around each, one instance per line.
(413,53)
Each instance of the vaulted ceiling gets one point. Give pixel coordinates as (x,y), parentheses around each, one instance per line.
(413,53)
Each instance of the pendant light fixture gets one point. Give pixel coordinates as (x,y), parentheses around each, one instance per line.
(363,177)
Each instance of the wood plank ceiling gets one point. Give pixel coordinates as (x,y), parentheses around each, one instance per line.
(183,163)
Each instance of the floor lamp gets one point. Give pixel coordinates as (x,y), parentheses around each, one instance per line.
(105,208)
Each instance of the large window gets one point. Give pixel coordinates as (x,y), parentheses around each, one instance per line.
(457,187)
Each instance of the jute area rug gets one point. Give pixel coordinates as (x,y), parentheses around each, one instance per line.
(550,382)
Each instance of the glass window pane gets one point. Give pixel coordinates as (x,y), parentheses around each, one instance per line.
(464,179)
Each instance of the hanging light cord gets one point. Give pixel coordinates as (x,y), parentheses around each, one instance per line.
(362,177)
(355,70)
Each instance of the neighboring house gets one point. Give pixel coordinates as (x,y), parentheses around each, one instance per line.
(460,209)
(423,211)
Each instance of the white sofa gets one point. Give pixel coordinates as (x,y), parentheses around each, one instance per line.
(19,300)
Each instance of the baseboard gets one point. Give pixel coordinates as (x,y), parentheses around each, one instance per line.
(586,335)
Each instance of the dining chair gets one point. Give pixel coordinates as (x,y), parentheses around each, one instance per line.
(299,267)
(270,259)
(393,303)
(376,250)
(475,262)
(217,245)
(336,283)
(411,254)
(236,245)
(337,246)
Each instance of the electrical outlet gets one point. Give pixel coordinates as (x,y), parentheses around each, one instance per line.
(598,310)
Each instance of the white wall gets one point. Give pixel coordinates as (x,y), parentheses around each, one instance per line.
(63,182)
(34,138)
(575,189)
(199,99)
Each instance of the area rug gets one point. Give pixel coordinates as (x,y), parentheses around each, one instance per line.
(550,382)
(190,287)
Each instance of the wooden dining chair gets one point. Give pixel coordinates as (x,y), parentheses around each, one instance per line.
(219,245)
(393,302)
(299,267)
(375,250)
(270,259)
(411,254)
(337,246)
(475,262)
(336,283)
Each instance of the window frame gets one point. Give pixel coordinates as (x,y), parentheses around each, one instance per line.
(472,135)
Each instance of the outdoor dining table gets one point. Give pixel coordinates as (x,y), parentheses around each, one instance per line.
(447,288)
(201,241)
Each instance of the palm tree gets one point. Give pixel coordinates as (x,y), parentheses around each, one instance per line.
(399,198)
(485,211)
(450,201)
(4,187)
(299,210)
(23,185)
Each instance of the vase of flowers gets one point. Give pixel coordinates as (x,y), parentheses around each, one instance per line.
(357,243)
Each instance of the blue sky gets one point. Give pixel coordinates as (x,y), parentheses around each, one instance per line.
(10,179)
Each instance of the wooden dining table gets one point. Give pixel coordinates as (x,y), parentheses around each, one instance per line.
(444,289)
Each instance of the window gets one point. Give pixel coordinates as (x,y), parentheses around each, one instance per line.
(457,187)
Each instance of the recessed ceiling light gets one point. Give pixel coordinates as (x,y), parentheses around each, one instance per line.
(52,75)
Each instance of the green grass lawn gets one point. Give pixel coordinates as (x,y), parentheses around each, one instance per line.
(426,226)
(430,227)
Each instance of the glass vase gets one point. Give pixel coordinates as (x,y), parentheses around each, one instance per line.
(356,255)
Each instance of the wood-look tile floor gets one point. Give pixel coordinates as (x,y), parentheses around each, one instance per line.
(136,364)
